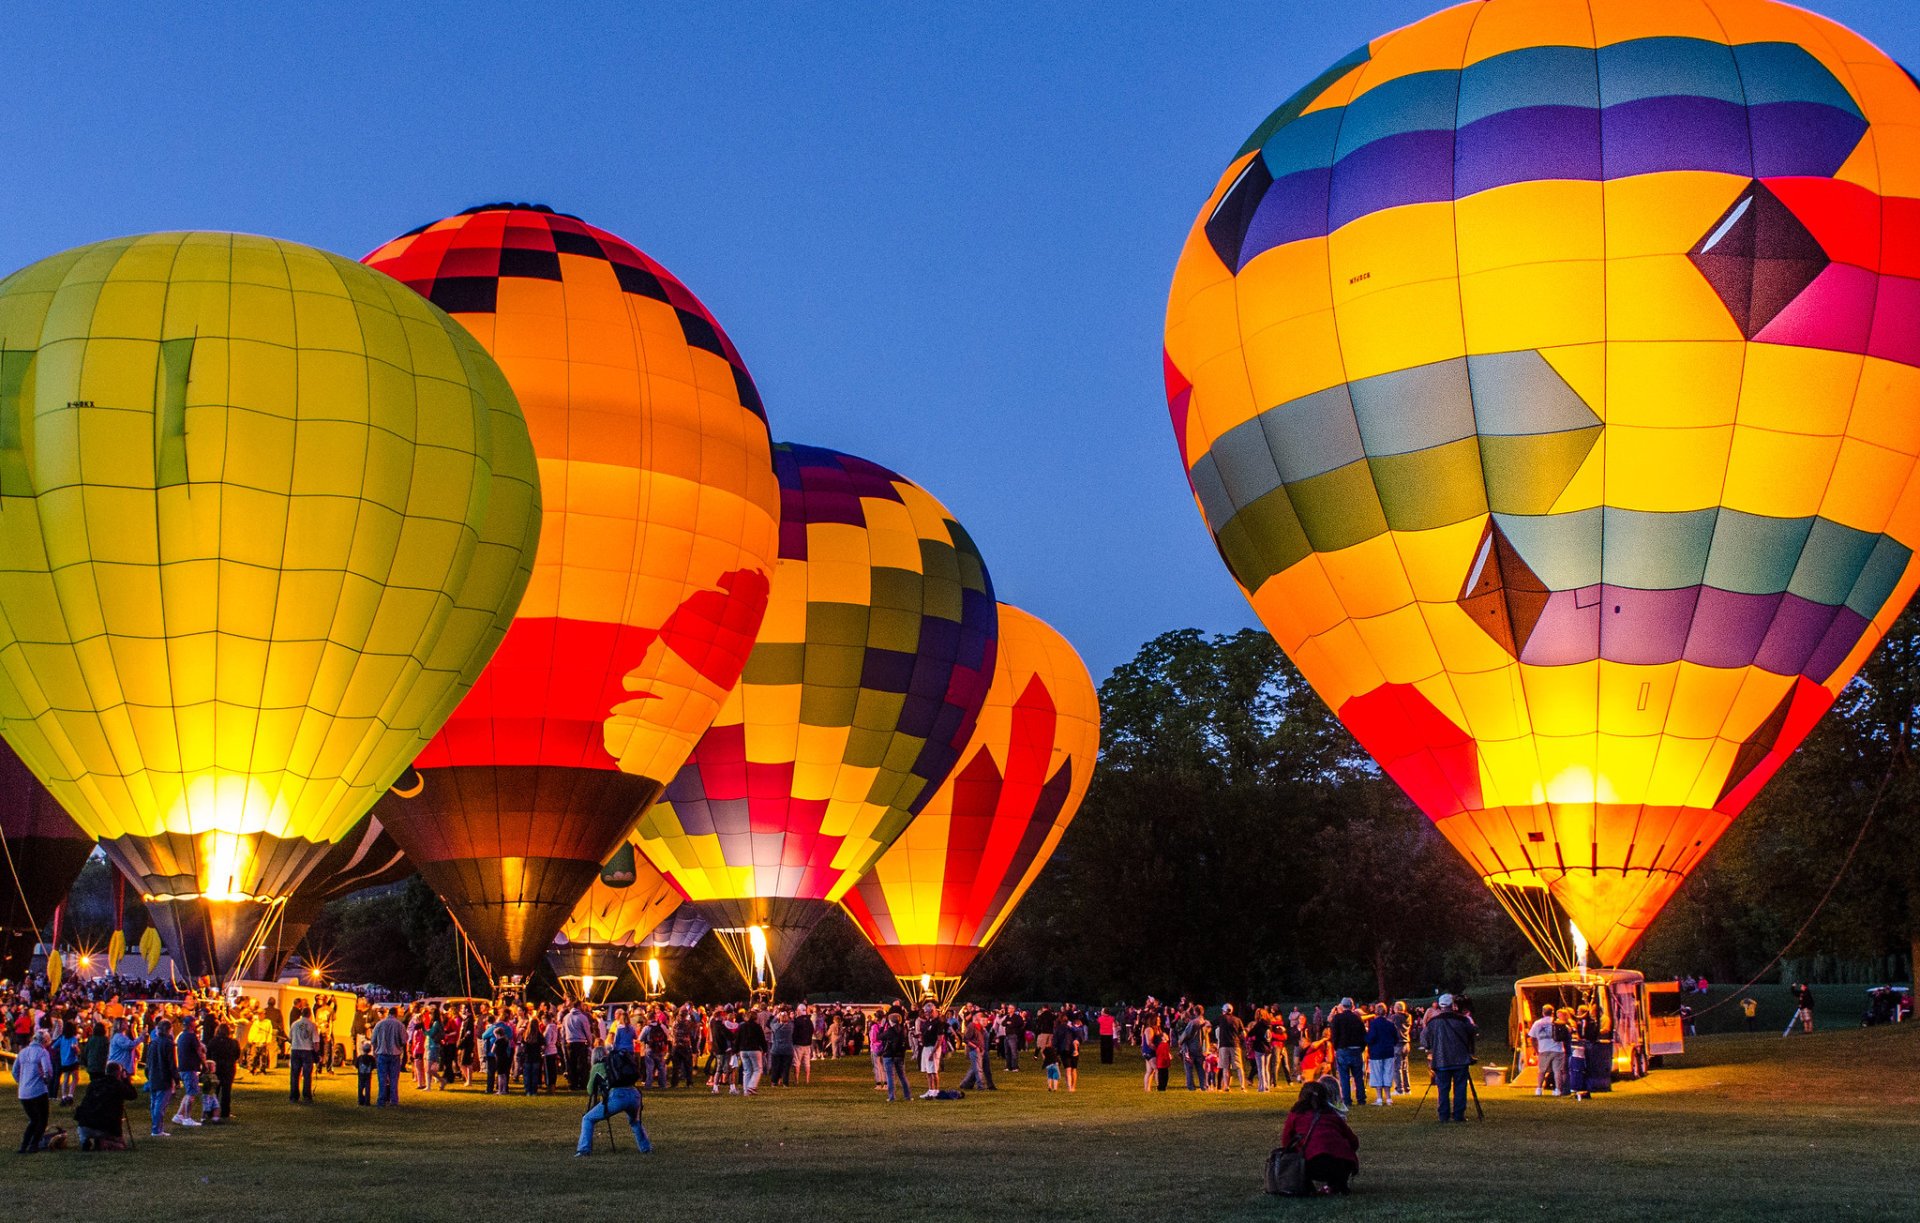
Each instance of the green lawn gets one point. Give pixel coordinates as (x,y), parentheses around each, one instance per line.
(1746,1127)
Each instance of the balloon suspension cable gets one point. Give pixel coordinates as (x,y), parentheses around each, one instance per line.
(257,941)
(1825,896)
(746,948)
(39,935)
(469,953)
(928,987)
(1532,909)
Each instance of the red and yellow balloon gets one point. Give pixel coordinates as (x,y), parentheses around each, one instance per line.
(938,896)
(662,518)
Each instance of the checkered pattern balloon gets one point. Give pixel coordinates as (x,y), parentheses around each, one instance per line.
(1547,375)
(866,681)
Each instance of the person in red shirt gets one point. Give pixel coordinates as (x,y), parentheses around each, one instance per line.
(1320,1133)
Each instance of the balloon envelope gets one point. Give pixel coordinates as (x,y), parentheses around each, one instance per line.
(940,893)
(260,511)
(661,524)
(1546,373)
(863,687)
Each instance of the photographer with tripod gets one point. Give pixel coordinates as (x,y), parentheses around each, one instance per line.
(1449,1037)
(613,1088)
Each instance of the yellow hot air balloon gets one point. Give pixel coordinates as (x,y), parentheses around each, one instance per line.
(1547,373)
(941,893)
(264,514)
(609,925)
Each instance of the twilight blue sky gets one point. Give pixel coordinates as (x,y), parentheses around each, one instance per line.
(940,234)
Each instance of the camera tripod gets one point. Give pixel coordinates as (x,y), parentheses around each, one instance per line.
(1478,1112)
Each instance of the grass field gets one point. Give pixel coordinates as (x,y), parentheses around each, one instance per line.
(1744,1127)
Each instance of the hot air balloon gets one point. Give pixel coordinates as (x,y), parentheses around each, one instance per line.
(669,943)
(262,511)
(622,908)
(863,687)
(41,853)
(365,858)
(1546,374)
(934,900)
(662,523)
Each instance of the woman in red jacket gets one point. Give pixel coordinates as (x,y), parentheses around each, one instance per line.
(1320,1133)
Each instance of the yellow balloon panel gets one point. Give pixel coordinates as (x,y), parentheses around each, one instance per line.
(626,903)
(1590,331)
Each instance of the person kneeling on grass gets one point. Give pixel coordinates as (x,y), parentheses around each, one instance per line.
(616,1073)
(1316,1129)
(102,1113)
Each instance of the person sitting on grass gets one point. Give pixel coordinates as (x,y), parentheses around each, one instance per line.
(1316,1129)
(102,1113)
(616,1076)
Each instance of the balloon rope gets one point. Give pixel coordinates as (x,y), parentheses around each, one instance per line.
(1846,862)
(38,934)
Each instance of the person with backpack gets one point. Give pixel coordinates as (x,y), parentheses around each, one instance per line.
(1449,1035)
(892,1046)
(617,1073)
(1317,1132)
(102,1113)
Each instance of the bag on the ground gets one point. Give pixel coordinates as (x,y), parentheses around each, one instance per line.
(1287,1167)
(1287,1173)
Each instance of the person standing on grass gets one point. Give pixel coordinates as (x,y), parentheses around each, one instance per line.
(1230,1035)
(160,1074)
(803,1037)
(260,1040)
(1550,1052)
(1068,1036)
(389,1043)
(223,1059)
(303,1049)
(890,1046)
(1802,1009)
(576,1029)
(121,1049)
(1749,1009)
(933,1045)
(1383,1055)
(978,1038)
(33,1072)
(1108,1028)
(187,1062)
(1349,1033)
(751,1040)
(1449,1037)
(780,1048)
(1403,1027)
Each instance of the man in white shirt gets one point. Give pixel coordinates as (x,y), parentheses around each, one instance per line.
(1552,1054)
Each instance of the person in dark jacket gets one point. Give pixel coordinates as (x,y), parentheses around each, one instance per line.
(161,1075)
(1449,1036)
(102,1112)
(223,1052)
(96,1052)
(1349,1034)
(1322,1135)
